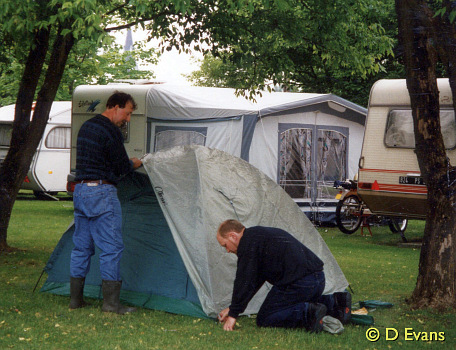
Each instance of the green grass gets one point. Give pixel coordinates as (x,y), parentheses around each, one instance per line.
(376,268)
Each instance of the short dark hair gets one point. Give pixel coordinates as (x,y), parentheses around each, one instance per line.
(230,226)
(119,98)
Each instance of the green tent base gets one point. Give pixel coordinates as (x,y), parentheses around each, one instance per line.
(150,262)
(155,302)
(362,320)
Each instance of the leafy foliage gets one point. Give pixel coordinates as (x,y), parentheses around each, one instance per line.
(94,58)
(318,46)
(86,65)
(338,47)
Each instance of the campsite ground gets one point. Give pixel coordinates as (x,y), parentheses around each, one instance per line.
(376,268)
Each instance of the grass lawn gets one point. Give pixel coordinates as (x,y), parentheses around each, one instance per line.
(375,266)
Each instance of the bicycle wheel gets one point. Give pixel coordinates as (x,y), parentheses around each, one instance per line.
(348,214)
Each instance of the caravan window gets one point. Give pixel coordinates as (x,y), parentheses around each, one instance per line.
(125,132)
(59,137)
(5,134)
(167,137)
(399,131)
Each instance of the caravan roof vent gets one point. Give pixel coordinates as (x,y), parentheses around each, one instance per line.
(336,107)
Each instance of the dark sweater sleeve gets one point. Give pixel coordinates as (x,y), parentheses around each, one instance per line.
(246,284)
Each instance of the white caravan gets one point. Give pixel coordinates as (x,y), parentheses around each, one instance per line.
(302,141)
(389,179)
(51,162)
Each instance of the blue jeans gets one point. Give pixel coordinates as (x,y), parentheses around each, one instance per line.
(98,221)
(287,306)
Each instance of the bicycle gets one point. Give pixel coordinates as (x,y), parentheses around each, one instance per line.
(352,212)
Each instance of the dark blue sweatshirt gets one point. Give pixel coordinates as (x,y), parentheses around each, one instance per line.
(267,254)
(100,151)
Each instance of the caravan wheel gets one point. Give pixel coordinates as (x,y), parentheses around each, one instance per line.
(398,225)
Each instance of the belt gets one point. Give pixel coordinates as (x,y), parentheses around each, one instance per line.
(95,182)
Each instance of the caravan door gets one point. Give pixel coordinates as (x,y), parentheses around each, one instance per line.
(311,158)
(51,164)
(5,139)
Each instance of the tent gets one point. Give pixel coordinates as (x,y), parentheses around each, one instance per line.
(172,260)
(302,141)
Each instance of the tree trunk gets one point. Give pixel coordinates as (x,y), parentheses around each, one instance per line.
(446,45)
(435,286)
(28,133)
(20,154)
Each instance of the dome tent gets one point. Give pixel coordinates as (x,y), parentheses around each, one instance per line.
(172,260)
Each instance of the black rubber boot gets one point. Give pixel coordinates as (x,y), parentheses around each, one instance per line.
(77,292)
(343,302)
(314,317)
(111,298)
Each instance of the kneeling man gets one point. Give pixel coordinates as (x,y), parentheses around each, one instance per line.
(267,254)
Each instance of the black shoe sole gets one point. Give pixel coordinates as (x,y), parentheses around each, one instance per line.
(317,320)
(343,305)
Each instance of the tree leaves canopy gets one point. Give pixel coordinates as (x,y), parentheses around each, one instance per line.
(95,58)
(317,46)
(306,45)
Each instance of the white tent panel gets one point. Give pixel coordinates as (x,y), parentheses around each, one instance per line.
(197,187)
(172,102)
(223,134)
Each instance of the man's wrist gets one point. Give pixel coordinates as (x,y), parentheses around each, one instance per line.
(233,314)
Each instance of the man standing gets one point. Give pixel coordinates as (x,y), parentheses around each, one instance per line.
(101,160)
(267,254)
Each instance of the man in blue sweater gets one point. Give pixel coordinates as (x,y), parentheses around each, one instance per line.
(101,160)
(267,254)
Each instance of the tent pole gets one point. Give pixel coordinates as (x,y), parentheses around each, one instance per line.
(231,202)
(39,279)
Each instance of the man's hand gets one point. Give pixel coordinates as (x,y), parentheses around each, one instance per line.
(223,315)
(229,324)
(228,321)
(136,162)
